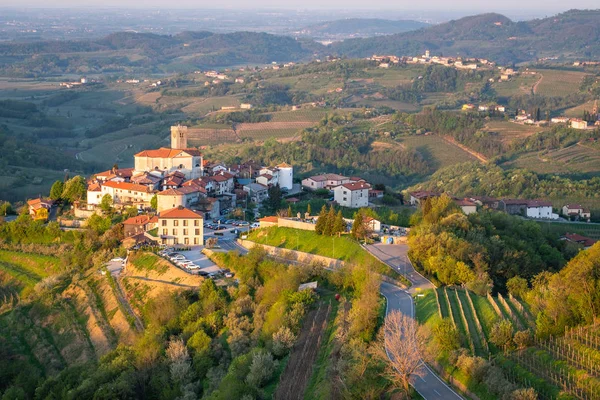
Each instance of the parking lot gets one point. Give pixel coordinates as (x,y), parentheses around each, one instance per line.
(194,262)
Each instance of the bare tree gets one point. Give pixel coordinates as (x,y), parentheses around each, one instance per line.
(401,346)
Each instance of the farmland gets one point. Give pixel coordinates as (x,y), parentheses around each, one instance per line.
(558,82)
(509,131)
(579,158)
(27,269)
(517,85)
(436,151)
(550,366)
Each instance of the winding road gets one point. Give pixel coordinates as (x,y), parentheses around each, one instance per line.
(429,386)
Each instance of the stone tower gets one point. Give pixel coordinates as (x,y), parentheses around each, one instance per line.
(179,137)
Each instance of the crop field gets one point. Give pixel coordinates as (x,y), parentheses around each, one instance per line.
(559,83)
(576,159)
(509,131)
(203,106)
(517,85)
(317,83)
(266,130)
(120,151)
(307,114)
(577,112)
(393,77)
(436,150)
(27,269)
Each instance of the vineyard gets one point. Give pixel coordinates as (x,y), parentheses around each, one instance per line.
(557,368)
(436,150)
(558,82)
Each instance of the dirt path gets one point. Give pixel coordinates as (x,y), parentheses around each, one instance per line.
(475,154)
(534,89)
(123,300)
(298,370)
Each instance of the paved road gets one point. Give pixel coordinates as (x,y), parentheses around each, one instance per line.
(430,386)
(231,245)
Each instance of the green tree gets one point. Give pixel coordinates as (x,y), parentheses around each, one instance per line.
(339,226)
(321,221)
(5,208)
(56,190)
(261,370)
(75,189)
(199,342)
(308,209)
(446,335)
(330,221)
(273,202)
(106,203)
(502,334)
(154,202)
(359,229)
(517,286)
(289,211)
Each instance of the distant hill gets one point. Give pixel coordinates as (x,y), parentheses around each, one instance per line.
(360,27)
(573,33)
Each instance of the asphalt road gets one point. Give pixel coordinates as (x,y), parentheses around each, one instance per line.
(430,386)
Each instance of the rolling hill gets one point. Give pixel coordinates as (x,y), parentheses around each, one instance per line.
(360,27)
(575,33)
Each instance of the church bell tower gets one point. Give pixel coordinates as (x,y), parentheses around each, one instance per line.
(179,137)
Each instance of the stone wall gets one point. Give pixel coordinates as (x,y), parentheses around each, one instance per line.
(71,223)
(295,256)
(290,223)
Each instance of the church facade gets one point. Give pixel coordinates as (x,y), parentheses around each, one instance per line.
(168,160)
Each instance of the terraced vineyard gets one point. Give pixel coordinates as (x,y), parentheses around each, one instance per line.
(553,367)
(439,152)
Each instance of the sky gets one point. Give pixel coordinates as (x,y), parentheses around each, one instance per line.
(544,6)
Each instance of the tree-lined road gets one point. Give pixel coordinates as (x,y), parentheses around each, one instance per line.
(429,385)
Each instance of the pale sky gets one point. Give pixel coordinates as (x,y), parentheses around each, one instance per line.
(543,6)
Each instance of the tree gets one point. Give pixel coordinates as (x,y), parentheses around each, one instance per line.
(522,339)
(75,189)
(309,209)
(5,208)
(41,214)
(359,230)
(401,345)
(273,202)
(330,221)
(446,335)
(106,203)
(199,342)
(181,368)
(339,225)
(289,211)
(56,190)
(502,333)
(262,369)
(321,221)
(517,286)
(524,394)
(154,202)
(283,340)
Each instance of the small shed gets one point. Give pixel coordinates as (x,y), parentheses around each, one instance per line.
(308,286)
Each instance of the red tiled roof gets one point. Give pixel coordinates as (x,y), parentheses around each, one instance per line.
(423,194)
(464,202)
(352,186)
(575,237)
(164,152)
(284,165)
(180,212)
(328,177)
(268,176)
(94,187)
(139,220)
(269,219)
(127,186)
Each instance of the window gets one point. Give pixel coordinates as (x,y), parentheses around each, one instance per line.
(345,199)
(196,222)
(185,222)
(197,232)
(195,240)
(174,232)
(185,231)
(186,241)
(164,222)
(165,232)
(176,223)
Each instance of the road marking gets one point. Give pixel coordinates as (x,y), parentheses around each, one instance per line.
(423,379)
(436,392)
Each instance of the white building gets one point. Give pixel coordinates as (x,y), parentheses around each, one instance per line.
(257,192)
(324,181)
(127,193)
(353,195)
(181,225)
(286,176)
(540,209)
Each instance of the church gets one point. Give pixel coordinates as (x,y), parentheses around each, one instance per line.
(167,160)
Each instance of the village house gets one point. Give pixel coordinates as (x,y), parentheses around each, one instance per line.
(126,193)
(580,240)
(560,120)
(94,193)
(528,208)
(257,192)
(35,205)
(467,206)
(352,194)
(576,211)
(324,181)
(577,123)
(138,225)
(421,195)
(181,225)
(115,174)
(184,196)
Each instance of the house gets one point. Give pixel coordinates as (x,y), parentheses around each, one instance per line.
(140,224)
(210,206)
(246,106)
(184,196)
(267,180)
(421,195)
(117,174)
(577,123)
(576,211)
(127,193)
(372,224)
(177,158)
(267,222)
(257,192)
(94,193)
(223,183)
(376,194)
(560,120)
(485,201)
(467,206)
(147,179)
(37,204)
(528,208)
(581,240)
(467,107)
(352,194)
(324,181)
(181,225)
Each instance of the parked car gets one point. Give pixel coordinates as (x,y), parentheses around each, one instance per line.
(255,225)
(244,223)
(229,274)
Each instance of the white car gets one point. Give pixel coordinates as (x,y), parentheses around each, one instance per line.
(178,257)
(192,266)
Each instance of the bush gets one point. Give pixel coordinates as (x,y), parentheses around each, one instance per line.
(261,370)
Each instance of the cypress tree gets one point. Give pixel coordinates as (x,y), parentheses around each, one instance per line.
(339,225)
(322,221)
(330,221)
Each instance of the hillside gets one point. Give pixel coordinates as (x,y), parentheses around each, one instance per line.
(360,27)
(573,33)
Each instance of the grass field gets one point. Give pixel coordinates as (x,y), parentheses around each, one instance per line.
(304,114)
(517,85)
(436,151)
(509,131)
(559,83)
(575,159)
(203,106)
(560,228)
(577,112)
(394,76)
(27,269)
